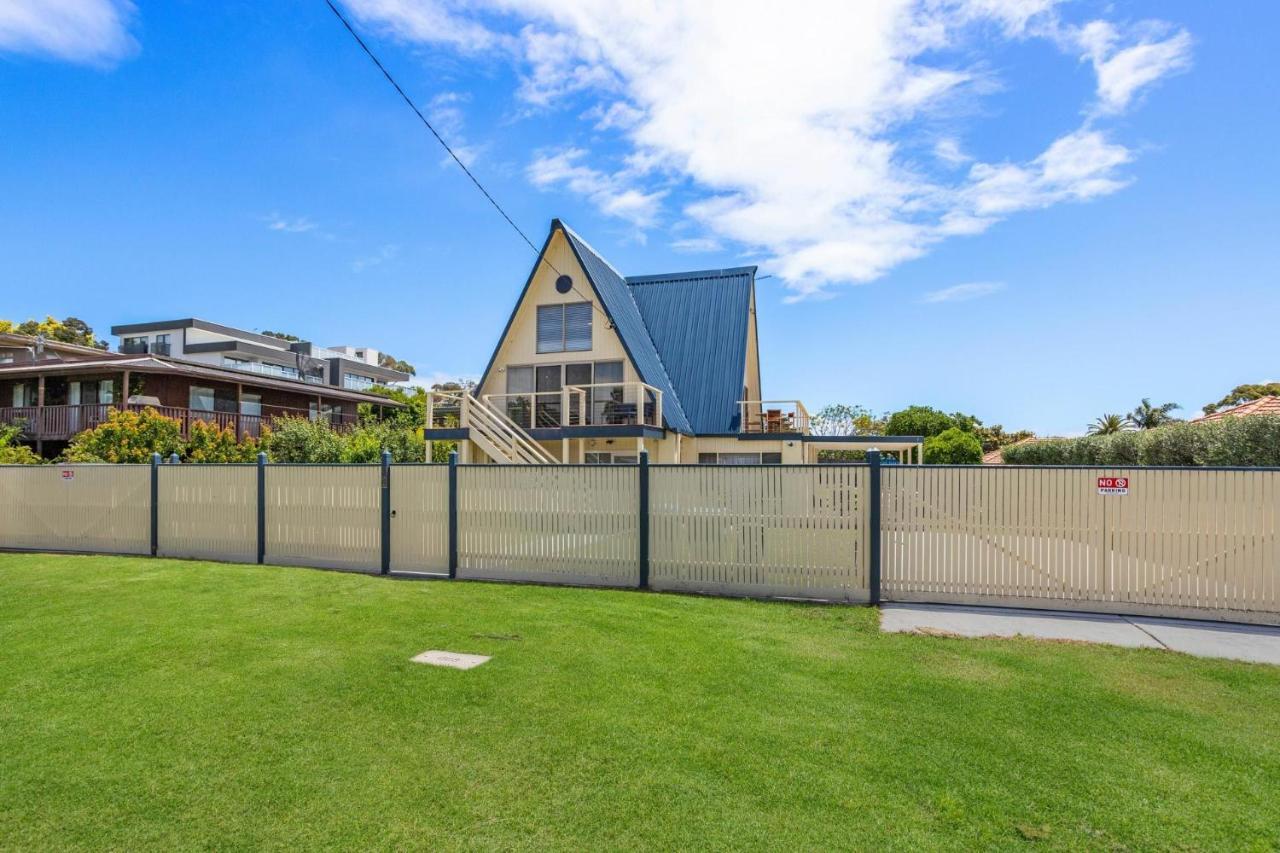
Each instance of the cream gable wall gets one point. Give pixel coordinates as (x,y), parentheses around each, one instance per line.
(519,348)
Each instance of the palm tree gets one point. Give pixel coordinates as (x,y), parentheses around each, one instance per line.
(1147,416)
(1109,425)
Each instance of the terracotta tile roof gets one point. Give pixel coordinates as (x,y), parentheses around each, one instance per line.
(1260,406)
(996,457)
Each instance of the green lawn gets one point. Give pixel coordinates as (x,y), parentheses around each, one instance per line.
(171,704)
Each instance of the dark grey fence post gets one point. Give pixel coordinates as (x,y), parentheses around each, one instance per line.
(453,514)
(262,508)
(386,512)
(873,526)
(644,519)
(155,503)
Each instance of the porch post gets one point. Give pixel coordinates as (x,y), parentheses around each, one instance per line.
(124,392)
(40,425)
(239,392)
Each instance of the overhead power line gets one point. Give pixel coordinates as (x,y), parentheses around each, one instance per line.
(463,166)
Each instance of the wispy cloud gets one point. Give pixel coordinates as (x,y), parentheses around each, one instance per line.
(384,254)
(613,193)
(697,244)
(807,160)
(963,292)
(289,225)
(90,32)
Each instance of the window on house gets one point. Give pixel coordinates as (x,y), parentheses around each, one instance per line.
(610,458)
(549,386)
(564,328)
(106,391)
(20,395)
(739,458)
(201,399)
(607,405)
(251,404)
(6,358)
(520,383)
(161,346)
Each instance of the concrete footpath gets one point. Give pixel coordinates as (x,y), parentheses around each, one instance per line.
(1257,643)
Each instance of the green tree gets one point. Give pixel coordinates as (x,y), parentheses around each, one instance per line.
(72,330)
(1243,394)
(284,336)
(993,437)
(1109,425)
(390,361)
(127,437)
(1147,416)
(13,453)
(953,446)
(926,421)
(843,419)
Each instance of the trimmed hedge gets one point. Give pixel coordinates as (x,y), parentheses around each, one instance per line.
(1250,441)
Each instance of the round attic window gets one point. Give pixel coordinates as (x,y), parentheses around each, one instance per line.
(564,284)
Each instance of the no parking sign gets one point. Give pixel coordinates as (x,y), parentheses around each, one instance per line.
(1113,485)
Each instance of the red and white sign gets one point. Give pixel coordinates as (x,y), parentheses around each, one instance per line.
(68,473)
(1113,485)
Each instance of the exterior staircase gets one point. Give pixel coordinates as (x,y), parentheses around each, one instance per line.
(498,436)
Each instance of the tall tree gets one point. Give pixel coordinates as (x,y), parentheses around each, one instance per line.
(1110,425)
(390,361)
(1243,394)
(1147,416)
(72,330)
(927,421)
(844,419)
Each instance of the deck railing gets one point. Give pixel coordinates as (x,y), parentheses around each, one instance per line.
(765,416)
(61,423)
(599,404)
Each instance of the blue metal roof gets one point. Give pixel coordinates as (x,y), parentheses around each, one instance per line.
(698,322)
(616,298)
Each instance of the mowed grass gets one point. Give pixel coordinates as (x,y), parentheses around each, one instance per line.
(170,705)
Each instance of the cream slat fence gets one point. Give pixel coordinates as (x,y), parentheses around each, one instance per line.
(420,519)
(90,508)
(1199,543)
(575,524)
(208,512)
(324,515)
(794,531)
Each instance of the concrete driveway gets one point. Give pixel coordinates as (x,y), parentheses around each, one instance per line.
(1256,643)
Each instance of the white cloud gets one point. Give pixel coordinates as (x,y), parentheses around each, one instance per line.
(610,192)
(384,254)
(92,32)
(696,244)
(446,114)
(1123,71)
(295,225)
(963,292)
(791,134)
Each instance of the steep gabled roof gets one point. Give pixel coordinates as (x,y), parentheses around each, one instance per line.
(699,324)
(615,297)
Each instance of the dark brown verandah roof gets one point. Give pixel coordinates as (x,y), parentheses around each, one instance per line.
(173,367)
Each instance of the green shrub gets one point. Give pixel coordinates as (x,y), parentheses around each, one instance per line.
(953,447)
(1250,441)
(127,437)
(366,443)
(208,444)
(13,453)
(302,440)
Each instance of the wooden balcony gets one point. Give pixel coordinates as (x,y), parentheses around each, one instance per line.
(773,416)
(61,423)
(603,404)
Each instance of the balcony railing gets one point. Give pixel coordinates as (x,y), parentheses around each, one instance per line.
(61,423)
(279,371)
(601,404)
(768,416)
(144,348)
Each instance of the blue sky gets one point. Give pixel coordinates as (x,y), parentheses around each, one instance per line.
(1030,210)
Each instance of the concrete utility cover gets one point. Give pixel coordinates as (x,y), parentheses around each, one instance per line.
(454,660)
